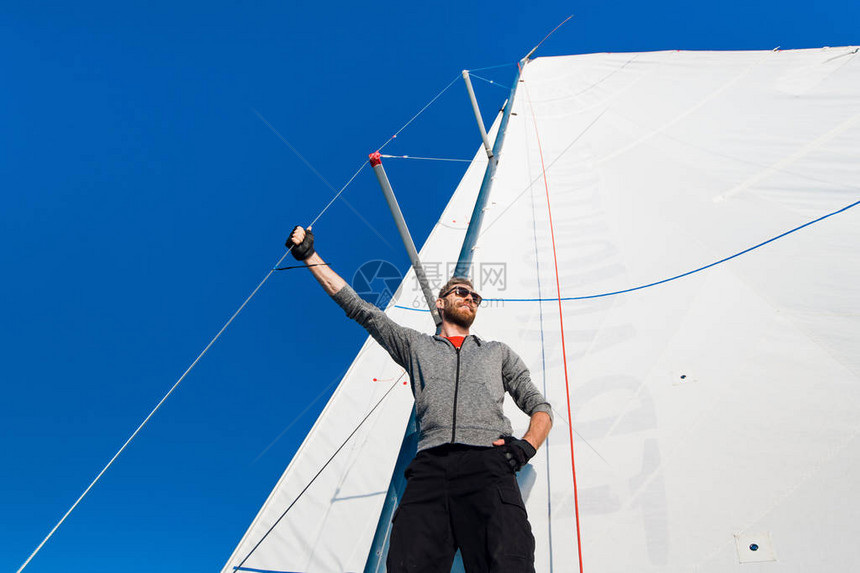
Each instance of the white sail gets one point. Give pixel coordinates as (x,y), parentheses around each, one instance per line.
(715,414)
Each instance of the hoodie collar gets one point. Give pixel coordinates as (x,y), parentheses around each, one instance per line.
(474,336)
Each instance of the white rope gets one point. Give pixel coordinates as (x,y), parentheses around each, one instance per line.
(223,328)
(423,109)
(495,83)
(333,199)
(154,410)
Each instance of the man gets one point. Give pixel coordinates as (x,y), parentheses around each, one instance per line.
(461,487)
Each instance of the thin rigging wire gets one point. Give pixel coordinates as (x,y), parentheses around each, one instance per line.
(547,36)
(154,410)
(423,109)
(223,328)
(333,199)
(493,82)
(425,158)
(313,479)
(291,267)
(492,67)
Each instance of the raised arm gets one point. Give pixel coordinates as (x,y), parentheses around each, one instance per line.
(395,339)
(330,280)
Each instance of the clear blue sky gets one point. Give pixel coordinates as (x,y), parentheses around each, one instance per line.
(143,199)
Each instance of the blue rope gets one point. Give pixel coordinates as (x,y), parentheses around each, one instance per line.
(410,308)
(676,277)
(495,83)
(260,570)
(493,67)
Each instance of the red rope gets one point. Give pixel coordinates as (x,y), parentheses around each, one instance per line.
(561,325)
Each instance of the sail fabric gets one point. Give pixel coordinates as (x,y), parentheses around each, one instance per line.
(713,399)
(716,411)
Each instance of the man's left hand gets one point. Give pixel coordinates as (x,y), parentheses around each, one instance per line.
(517,452)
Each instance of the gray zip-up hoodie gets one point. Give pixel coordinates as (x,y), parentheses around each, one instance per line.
(458,393)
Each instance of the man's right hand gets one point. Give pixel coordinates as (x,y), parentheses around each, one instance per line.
(517,452)
(301,242)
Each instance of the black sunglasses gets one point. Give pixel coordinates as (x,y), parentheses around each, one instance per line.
(463,292)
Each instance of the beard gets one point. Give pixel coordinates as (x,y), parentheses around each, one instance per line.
(462,317)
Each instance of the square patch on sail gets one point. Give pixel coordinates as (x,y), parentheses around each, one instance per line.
(755,547)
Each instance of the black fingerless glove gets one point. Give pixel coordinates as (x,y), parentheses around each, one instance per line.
(305,249)
(517,452)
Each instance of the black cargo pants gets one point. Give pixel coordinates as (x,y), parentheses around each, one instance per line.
(462,497)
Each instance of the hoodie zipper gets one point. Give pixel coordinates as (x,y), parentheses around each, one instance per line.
(456,391)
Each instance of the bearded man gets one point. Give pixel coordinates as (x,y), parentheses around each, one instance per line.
(461,490)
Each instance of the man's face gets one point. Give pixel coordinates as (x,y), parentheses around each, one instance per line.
(459,308)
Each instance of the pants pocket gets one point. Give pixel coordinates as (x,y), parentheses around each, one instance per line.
(509,494)
(510,539)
